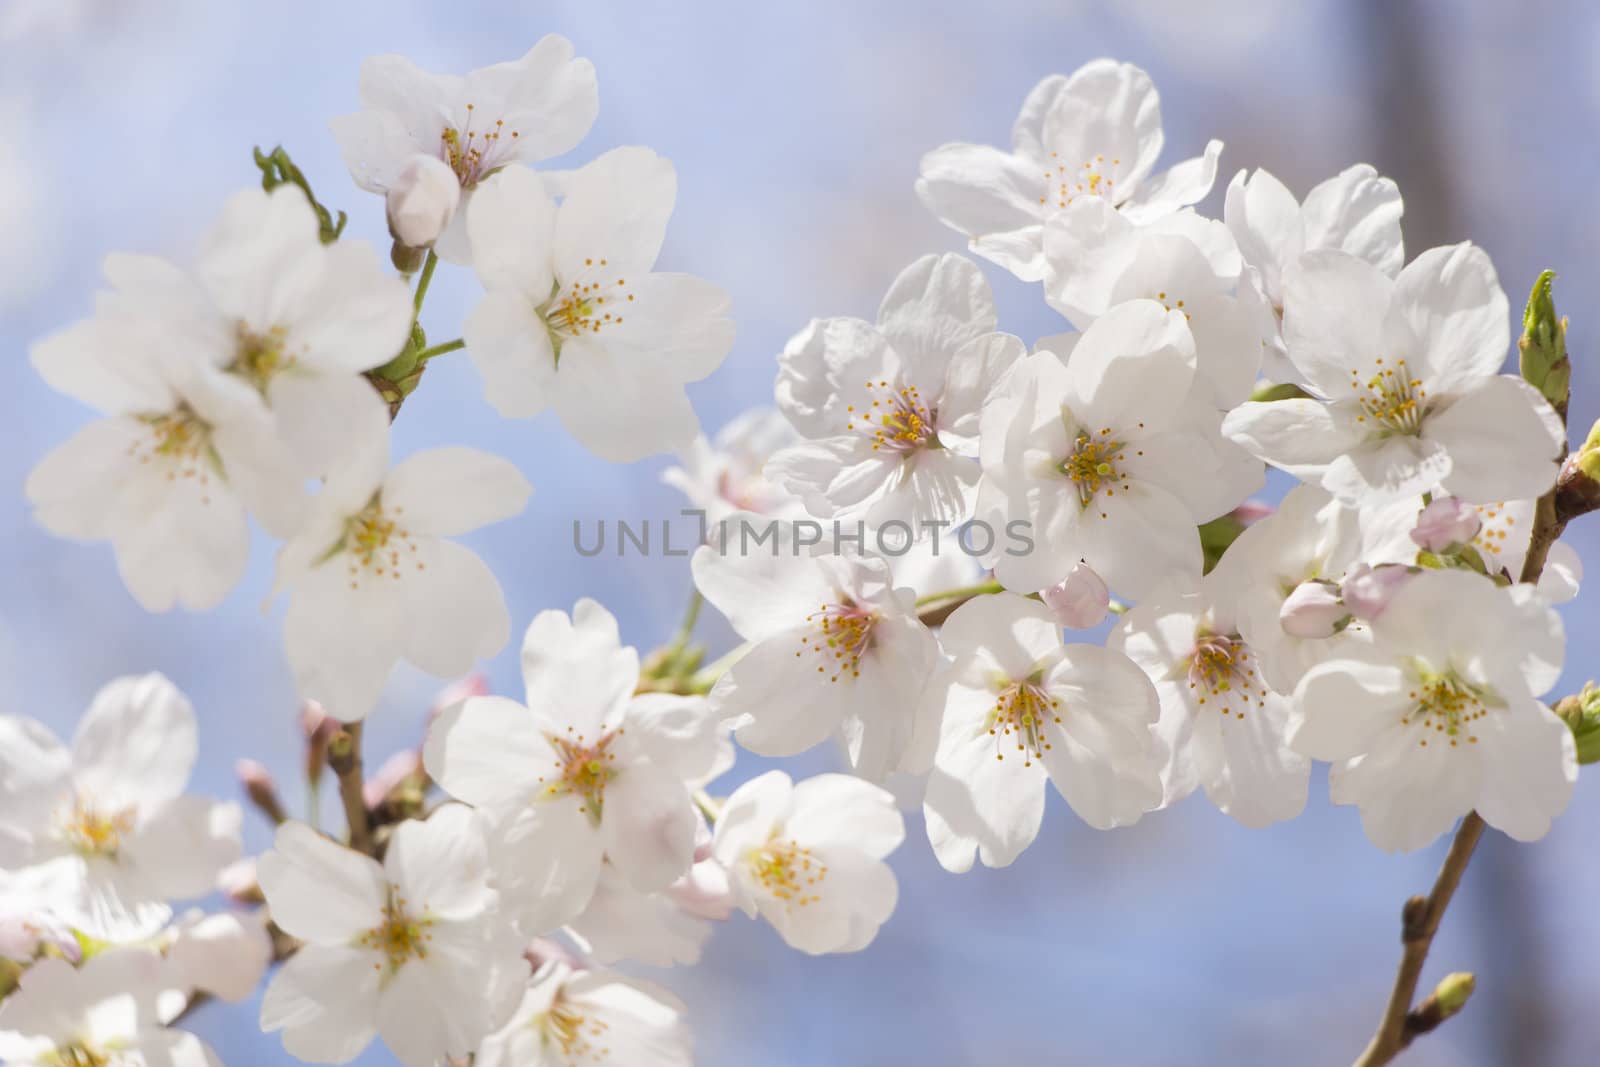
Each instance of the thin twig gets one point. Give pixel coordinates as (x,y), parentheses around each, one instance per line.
(344,756)
(1422,915)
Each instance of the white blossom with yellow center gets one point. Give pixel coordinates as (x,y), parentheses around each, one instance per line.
(590,1018)
(574,316)
(1093,137)
(1405,394)
(1014,708)
(1438,714)
(889,410)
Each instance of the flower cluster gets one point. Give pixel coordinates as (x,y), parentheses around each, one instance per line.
(1391,616)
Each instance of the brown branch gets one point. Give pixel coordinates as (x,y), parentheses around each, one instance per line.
(344,756)
(1421,916)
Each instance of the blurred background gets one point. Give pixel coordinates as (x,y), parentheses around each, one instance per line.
(796,130)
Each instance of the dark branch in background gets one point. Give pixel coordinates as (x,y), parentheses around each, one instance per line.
(344,757)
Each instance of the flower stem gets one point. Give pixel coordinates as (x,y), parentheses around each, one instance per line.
(966,592)
(344,756)
(424,281)
(707,676)
(439,350)
(691,616)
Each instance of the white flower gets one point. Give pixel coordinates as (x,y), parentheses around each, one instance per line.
(1503,543)
(1103,457)
(1439,715)
(1096,258)
(574,318)
(1017,707)
(836,647)
(225,955)
(1095,134)
(1224,726)
(728,473)
(107,824)
(809,858)
(621,922)
(570,1017)
(103,1012)
(520,112)
(891,410)
(225,388)
(585,771)
(372,579)
(1404,374)
(422,201)
(1356,211)
(1311,538)
(412,949)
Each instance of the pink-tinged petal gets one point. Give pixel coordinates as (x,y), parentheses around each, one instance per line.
(320,891)
(648,826)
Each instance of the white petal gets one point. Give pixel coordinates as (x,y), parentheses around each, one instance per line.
(1358,212)
(1182,184)
(1530,766)
(1342,707)
(1300,436)
(511,222)
(839,809)
(979,190)
(1453,302)
(1334,311)
(677,325)
(510,346)
(320,891)
(648,826)
(186,846)
(1504,441)
(550,97)
(616,209)
(441,866)
(325,1000)
(136,744)
(579,665)
(33,771)
(936,306)
(619,407)
(483,750)
(444,492)
(1136,363)
(679,733)
(75,489)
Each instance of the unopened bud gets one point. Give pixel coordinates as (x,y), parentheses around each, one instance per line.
(1581,713)
(238,882)
(1446,1000)
(1445,523)
(1080,600)
(422,201)
(1367,590)
(1313,610)
(1542,348)
(261,789)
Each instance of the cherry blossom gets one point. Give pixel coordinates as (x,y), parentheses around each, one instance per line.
(413,949)
(574,316)
(572,1016)
(890,410)
(524,111)
(808,858)
(105,827)
(1095,134)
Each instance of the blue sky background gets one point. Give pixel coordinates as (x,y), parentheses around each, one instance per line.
(796,130)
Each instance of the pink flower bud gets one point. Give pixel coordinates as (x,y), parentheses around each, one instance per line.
(1080,600)
(422,201)
(1446,522)
(1313,610)
(473,685)
(238,882)
(1368,590)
